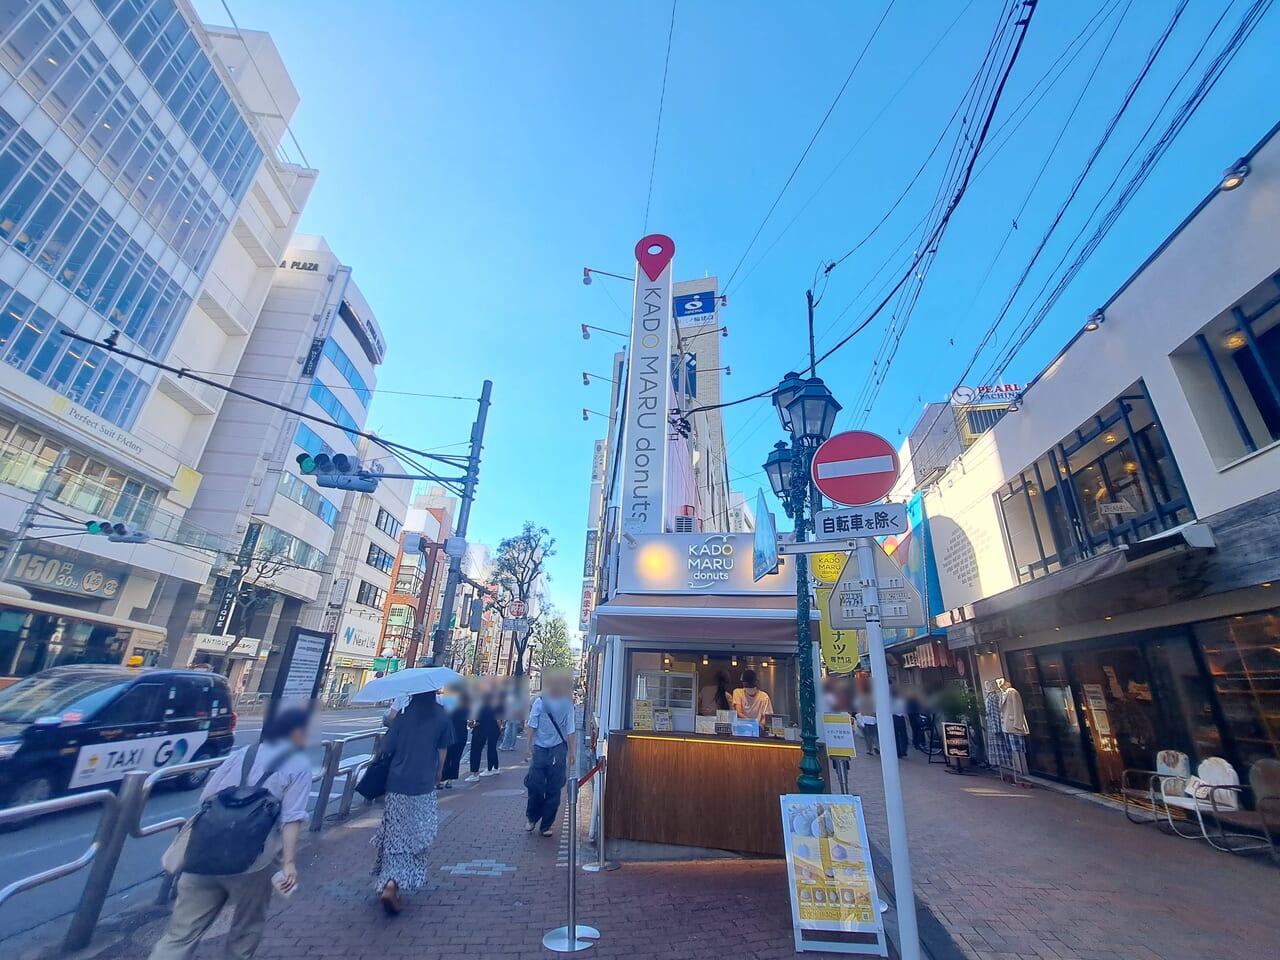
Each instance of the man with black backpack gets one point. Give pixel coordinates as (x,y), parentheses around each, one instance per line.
(251,814)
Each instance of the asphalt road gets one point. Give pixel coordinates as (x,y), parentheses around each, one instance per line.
(63,837)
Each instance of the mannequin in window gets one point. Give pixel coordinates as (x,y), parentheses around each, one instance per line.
(998,754)
(1014,722)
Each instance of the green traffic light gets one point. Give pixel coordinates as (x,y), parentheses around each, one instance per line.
(98,526)
(306,463)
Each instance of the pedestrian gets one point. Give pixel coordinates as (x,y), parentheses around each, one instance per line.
(416,745)
(459,708)
(280,768)
(485,733)
(511,729)
(899,707)
(867,723)
(550,752)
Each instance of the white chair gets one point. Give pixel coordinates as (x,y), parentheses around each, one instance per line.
(1215,790)
(1143,788)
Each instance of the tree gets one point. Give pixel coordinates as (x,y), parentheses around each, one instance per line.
(518,573)
(550,642)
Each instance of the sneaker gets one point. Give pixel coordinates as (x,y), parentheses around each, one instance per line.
(474,778)
(528,827)
(489,773)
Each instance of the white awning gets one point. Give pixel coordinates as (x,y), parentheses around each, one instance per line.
(695,617)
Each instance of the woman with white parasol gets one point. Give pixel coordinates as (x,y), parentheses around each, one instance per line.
(415,748)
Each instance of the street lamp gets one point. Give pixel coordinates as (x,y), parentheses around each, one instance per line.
(807,410)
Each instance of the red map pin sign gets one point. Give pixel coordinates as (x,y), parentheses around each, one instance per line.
(654,263)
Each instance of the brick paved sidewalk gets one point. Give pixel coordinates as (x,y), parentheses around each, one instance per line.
(496,890)
(1012,874)
(1032,873)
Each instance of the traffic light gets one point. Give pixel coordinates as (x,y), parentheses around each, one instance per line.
(339,471)
(117,532)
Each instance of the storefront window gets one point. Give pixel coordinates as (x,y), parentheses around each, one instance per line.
(676,680)
(1243,658)
(1111,481)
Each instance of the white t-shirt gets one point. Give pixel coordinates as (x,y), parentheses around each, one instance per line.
(752,707)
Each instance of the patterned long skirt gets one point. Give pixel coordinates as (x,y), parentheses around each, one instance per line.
(409,826)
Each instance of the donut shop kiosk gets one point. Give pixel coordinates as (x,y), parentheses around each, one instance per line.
(686,622)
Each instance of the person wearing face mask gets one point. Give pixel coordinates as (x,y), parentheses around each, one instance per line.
(459,707)
(751,702)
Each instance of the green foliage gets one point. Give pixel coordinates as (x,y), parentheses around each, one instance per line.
(956,704)
(550,638)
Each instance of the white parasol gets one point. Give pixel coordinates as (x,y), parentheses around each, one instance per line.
(406,683)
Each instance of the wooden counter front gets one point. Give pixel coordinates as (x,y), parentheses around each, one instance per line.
(699,791)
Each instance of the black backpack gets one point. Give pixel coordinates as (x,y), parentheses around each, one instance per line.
(233,826)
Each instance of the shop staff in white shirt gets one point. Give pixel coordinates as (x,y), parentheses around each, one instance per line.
(751,702)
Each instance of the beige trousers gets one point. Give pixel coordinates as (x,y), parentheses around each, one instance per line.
(201,899)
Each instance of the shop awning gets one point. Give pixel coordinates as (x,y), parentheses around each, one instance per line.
(684,617)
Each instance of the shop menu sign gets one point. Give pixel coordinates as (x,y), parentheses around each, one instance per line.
(713,563)
(829,875)
(955,740)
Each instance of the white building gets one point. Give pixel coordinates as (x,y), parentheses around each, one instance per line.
(315,347)
(1111,546)
(140,192)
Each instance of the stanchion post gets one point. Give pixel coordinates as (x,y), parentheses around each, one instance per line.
(332,757)
(602,863)
(112,833)
(571,938)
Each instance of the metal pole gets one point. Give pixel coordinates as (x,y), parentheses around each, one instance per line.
(813,359)
(441,656)
(810,779)
(29,515)
(602,863)
(332,757)
(571,938)
(903,891)
(112,833)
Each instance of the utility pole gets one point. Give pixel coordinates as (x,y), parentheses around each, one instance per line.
(813,356)
(444,635)
(29,515)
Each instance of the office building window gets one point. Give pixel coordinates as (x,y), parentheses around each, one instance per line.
(1111,481)
(331,405)
(348,371)
(379,558)
(1230,372)
(370,596)
(303,494)
(311,441)
(163,47)
(388,524)
(274,544)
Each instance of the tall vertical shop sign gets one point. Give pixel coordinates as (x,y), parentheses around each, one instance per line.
(644,465)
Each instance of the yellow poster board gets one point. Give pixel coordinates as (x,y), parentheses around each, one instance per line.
(641,714)
(839,647)
(827,567)
(829,872)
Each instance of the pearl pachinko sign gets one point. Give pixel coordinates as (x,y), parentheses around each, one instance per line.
(648,382)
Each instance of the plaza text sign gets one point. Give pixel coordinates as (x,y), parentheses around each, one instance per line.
(648,385)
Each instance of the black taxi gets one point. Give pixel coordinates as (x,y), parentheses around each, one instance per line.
(82,726)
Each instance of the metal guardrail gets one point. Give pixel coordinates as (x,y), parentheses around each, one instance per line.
(32,810)
(121,819)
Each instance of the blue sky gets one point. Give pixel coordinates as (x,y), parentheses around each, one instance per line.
(474,158)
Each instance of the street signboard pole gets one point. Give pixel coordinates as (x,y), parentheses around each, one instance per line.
(904,892)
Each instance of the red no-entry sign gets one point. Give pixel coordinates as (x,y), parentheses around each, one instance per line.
(855,468)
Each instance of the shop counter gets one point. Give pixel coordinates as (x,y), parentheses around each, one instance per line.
(700,791)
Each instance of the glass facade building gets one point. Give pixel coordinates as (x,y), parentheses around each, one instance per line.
(123,158)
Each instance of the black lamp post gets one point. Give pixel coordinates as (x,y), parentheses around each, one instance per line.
(806,410)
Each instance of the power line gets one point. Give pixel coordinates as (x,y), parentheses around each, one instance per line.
(662,98)
(375,392)
(809,146)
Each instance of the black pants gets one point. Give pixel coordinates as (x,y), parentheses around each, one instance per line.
(917,731)
(900,734)
(482,738)
(453,758)
(544,781)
